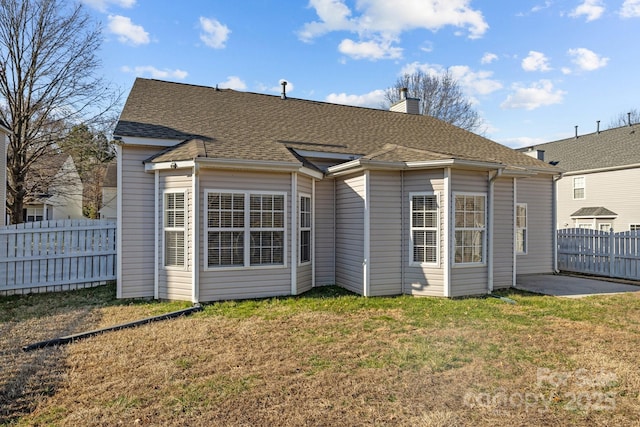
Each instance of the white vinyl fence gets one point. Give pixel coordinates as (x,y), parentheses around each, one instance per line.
(601,253)
(48,256)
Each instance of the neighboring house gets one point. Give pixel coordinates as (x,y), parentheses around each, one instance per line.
(55,189)
(4,143)
(229,195)
(598,189)
(110,192)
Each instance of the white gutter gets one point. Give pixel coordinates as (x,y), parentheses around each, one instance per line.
(153,142)
(362,164)
(609,169)
(491,228)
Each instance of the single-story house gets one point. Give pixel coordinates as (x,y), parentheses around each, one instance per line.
(228,195)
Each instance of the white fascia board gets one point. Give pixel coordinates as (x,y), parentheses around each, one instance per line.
(153,142)
(326,155)
(249,164)
(311,172)
(150,167)
(470,164)
(609,169)
(594,216)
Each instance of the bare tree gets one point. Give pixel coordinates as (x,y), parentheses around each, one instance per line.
(625,119)
(440,97)
(48,82)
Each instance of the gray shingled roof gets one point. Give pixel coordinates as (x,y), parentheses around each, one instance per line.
(594,211)
(228,124)
(609,148)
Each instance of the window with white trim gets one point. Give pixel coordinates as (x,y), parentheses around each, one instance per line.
(175,229)
(424,228)
(244,229)
(470,228)
(305,229)
(634,227)
(578,188)
(32,214)
(521,228)
(604,226)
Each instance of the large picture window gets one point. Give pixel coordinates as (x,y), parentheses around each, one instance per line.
(245,229)
(305,229)
(424,228)
(521,228)
(470,228)
(174,226)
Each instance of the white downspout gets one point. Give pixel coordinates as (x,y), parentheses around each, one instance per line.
(514,232)
(156,233)
(402,241)
(313,233)
(449,236)
(490,229)
(366,265)
(554,213)
(294,233)
(195,235)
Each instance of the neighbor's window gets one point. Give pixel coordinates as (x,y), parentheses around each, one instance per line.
(244,229)
(175,229)
(634,227)
(470,228)
(521,228)
(33,214)
(604,226)
(424,227)
(578,187)
(305,229)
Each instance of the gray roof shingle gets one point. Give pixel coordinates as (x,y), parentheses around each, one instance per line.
(228,124)
(594,211)
(609,148)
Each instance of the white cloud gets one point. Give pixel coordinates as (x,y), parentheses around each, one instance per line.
(587,60)
(214,33)
(102,5)
(630,9)
(127,31)
(536,61)
(592,9)
(156,73)
(488,58)
(372,99)
(371,50)
(522,141)
(472,82)
(379,23)
(538,94)
(233,82)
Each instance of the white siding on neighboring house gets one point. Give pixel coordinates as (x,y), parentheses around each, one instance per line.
(244,282)
(537,193)
(67,189)
(422,280)
(175,283)
(136,229)
(614,190)
(325,233)
(503,233)
(304,270)
(469,279)
(386,233)
(350,232)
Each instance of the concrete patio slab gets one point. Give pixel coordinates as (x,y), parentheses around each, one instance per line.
(571,286)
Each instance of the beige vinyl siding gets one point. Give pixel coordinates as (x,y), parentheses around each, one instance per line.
(503,233)
(253,282)
(469,280)
(614,190)
(304,272)
(325,229)
(422,280)
(137,225)
(175,283)
(537,193)
(350,232)
(386,233)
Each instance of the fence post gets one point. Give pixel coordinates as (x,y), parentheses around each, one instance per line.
(612,255)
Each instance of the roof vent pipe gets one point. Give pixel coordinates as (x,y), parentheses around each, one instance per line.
(629,117)
(283,95)
(576,131)
(598,127)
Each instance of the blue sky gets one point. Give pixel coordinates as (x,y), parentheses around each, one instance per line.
(534,69)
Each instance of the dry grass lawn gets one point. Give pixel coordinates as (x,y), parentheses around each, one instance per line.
(323,359)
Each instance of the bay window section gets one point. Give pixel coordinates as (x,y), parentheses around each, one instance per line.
(244,229)
(470,228)
(424,228)
(305,229)
(174,229)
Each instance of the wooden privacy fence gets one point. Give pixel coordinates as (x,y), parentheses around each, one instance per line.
(57,255)
(602,253)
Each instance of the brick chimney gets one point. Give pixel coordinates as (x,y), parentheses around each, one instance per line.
(406,105)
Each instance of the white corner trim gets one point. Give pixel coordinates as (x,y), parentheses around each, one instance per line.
(294,233)
(157,246)
(195,235)
(366,270)
(448,205)
(119,223)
